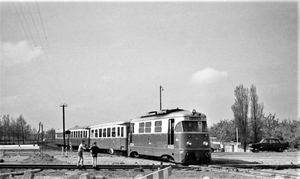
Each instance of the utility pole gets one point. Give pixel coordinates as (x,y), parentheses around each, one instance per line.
(63,107)
(160,90)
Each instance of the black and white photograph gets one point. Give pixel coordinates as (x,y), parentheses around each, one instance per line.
(149,89)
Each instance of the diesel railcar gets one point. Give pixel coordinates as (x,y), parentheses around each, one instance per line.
(179,135)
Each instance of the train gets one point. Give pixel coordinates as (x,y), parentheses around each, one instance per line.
(178,135)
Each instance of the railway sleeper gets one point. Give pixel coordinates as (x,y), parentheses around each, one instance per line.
(30,172)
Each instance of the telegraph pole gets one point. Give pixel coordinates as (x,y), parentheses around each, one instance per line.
(160,90)
(63,107)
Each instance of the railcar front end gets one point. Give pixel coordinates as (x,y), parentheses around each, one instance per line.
(192,142)
(178,135)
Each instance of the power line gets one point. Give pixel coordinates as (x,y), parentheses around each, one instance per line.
(50,52)
(47,59)
(39,62)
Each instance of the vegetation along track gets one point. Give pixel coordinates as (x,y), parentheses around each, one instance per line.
(243,170)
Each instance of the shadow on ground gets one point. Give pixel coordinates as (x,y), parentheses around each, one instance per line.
(219,161)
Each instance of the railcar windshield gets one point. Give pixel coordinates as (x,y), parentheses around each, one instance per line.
(191,126)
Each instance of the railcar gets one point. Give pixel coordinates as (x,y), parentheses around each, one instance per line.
(111,138)
(178,135)
(73,136)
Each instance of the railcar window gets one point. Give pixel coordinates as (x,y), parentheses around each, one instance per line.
(122,131)
(104,132)
(108,132)
(148,127)
(118,132)
(113,132)
(141,127)
(100,132)
(191,126)
(80,134)
(157,127)
(96,133)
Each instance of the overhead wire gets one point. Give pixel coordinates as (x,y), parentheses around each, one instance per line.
(50,51)
(51,65)
(31,37)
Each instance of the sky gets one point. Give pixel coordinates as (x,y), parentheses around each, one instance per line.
(107,60)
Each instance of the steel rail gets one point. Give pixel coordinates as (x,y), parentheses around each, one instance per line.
(42,166)
(258,166)
(252,172)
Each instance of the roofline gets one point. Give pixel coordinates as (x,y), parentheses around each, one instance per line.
(168,113)
(110,124)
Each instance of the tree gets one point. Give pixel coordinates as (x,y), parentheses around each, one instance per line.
(14,128)
(289,130)
(1,131)
(256,115)
(240,110)
(6,128)
(50,134)
(21,123)
(269,125)
(224,130)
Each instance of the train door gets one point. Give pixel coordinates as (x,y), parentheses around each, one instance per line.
(130,132)
(171,132)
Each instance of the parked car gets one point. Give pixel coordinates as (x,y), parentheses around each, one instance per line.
(269,144)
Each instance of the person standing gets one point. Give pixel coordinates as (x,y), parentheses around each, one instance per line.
(81,148)
(95,150)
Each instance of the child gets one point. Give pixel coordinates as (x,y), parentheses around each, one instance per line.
(80,153)
(95,150)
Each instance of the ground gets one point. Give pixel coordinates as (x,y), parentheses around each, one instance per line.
(56,157)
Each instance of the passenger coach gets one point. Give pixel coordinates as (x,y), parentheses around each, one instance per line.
(73,136)
(111,138)
(177,134)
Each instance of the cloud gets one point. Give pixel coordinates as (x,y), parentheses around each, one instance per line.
(19,52)
(208,76)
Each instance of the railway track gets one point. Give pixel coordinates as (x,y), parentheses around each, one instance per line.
(242,170)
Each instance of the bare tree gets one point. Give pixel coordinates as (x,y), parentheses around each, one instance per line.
(1,130)
(6,128)
(256,114)
(50,134)
(21,123)
(240,110)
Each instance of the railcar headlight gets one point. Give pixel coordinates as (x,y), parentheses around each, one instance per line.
(205,143)
(188,143)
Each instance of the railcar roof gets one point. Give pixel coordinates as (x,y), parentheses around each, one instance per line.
(168,113)
(110,124)
(78,127)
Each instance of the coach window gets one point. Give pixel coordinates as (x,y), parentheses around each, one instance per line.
(157,127)
(96,133)
(118,132)
(148,127)
(100,132)
(113,132)
(104,132)
(141,127)
(80,134)
(108,132)
(122,131)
